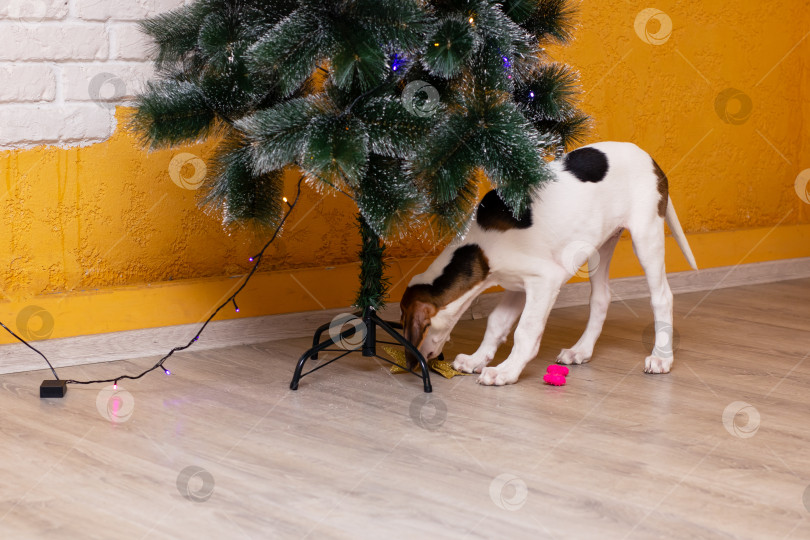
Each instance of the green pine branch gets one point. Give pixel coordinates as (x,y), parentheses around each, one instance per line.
(546,20)
(235,191)
(172,112)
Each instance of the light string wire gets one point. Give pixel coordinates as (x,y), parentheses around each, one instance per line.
(32,348)
(256,259)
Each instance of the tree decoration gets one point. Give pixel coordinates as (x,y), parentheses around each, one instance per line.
(322,86)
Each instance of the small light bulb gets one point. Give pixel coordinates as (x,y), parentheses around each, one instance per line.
(284,199)
(167,371)
(436,44)
(531,95)
(471,20)
(251,259)
(115,386)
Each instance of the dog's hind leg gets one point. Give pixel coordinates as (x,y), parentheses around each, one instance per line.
(499,324)
(648,243)
(582,351)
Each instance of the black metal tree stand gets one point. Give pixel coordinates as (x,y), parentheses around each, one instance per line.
(368,322)
(373,286)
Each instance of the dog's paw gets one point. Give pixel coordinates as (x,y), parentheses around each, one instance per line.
(494,377)
(570,356)
(656,364)
(468,364)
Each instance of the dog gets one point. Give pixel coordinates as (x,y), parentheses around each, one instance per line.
(597,192)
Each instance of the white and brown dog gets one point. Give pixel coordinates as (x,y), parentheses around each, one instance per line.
(599,191)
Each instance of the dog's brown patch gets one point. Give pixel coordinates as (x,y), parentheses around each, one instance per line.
(467,267)
(663,189)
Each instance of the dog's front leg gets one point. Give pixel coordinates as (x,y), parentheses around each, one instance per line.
(540,297)
(499,324)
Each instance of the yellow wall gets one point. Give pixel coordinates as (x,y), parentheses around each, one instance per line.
(662,97)
(102,239)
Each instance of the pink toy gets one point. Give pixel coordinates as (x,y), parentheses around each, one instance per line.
(554,380)
(556,369)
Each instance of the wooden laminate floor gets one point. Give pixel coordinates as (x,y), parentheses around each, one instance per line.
(359,453)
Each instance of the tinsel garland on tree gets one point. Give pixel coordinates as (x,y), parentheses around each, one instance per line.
(399,104)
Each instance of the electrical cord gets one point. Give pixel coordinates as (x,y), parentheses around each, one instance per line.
(256,259)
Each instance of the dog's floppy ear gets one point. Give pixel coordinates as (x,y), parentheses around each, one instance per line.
(416,319)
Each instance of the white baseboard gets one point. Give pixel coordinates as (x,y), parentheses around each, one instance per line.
(155,342)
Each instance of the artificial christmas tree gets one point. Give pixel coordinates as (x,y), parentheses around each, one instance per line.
(401,105)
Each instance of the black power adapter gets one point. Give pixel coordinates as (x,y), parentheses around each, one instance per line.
(52,389)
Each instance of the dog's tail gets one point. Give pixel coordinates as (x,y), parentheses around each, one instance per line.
(677,232)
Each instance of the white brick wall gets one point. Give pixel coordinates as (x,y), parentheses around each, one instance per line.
(21,83)
(66,64)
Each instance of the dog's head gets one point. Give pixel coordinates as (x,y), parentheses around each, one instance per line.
(423,323)
(425,320)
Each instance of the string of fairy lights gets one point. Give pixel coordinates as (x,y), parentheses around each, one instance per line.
(397,62)
(161,364)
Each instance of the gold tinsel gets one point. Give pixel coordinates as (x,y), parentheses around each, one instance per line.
(442,367)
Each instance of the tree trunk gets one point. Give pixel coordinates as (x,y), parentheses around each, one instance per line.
(373,284)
